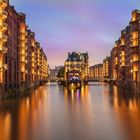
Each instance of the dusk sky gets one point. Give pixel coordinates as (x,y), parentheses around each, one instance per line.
(76,25)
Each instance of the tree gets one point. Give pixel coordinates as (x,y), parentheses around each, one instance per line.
(61,73)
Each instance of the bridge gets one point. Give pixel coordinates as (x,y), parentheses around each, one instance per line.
(100,80)
(88,80)
(78,83)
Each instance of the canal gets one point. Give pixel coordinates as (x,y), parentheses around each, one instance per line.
(95,112)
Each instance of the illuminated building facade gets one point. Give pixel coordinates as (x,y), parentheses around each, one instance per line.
(96,71)
(106,67)
(125,56)
(37,63)
(22,50)
(77,65)
(44,66)
(118,57)
(23,63)
(3,42)
(135,48)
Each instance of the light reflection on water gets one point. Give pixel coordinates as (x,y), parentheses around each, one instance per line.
(51,112)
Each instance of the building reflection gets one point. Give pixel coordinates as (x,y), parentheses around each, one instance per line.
(6,124)
(123,98)
(19,117)
(127,111)
(78,102)
(74,95)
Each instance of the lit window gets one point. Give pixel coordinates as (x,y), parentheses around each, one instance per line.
(122,41)
(135,35)
(134,16)
(135,42)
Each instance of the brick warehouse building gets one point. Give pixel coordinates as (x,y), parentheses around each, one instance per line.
(96,71)
(125,56)
(78,64)
(23,62)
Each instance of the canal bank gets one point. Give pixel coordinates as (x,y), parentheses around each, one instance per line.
(16,92)
(134,87)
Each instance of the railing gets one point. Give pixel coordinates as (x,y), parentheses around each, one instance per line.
(3,13)
(3,38)
(3,49)
(3,26)
(3,67)
(4,2)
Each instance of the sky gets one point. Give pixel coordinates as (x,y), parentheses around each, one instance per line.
(63,26)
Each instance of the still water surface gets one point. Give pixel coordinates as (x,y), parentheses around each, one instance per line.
(96,112)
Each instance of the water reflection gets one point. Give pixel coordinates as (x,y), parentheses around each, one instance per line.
(18,117)
(74,95)
(125,99)
(98,111)
(127,109)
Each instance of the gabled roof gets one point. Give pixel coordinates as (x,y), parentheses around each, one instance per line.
(75,56)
